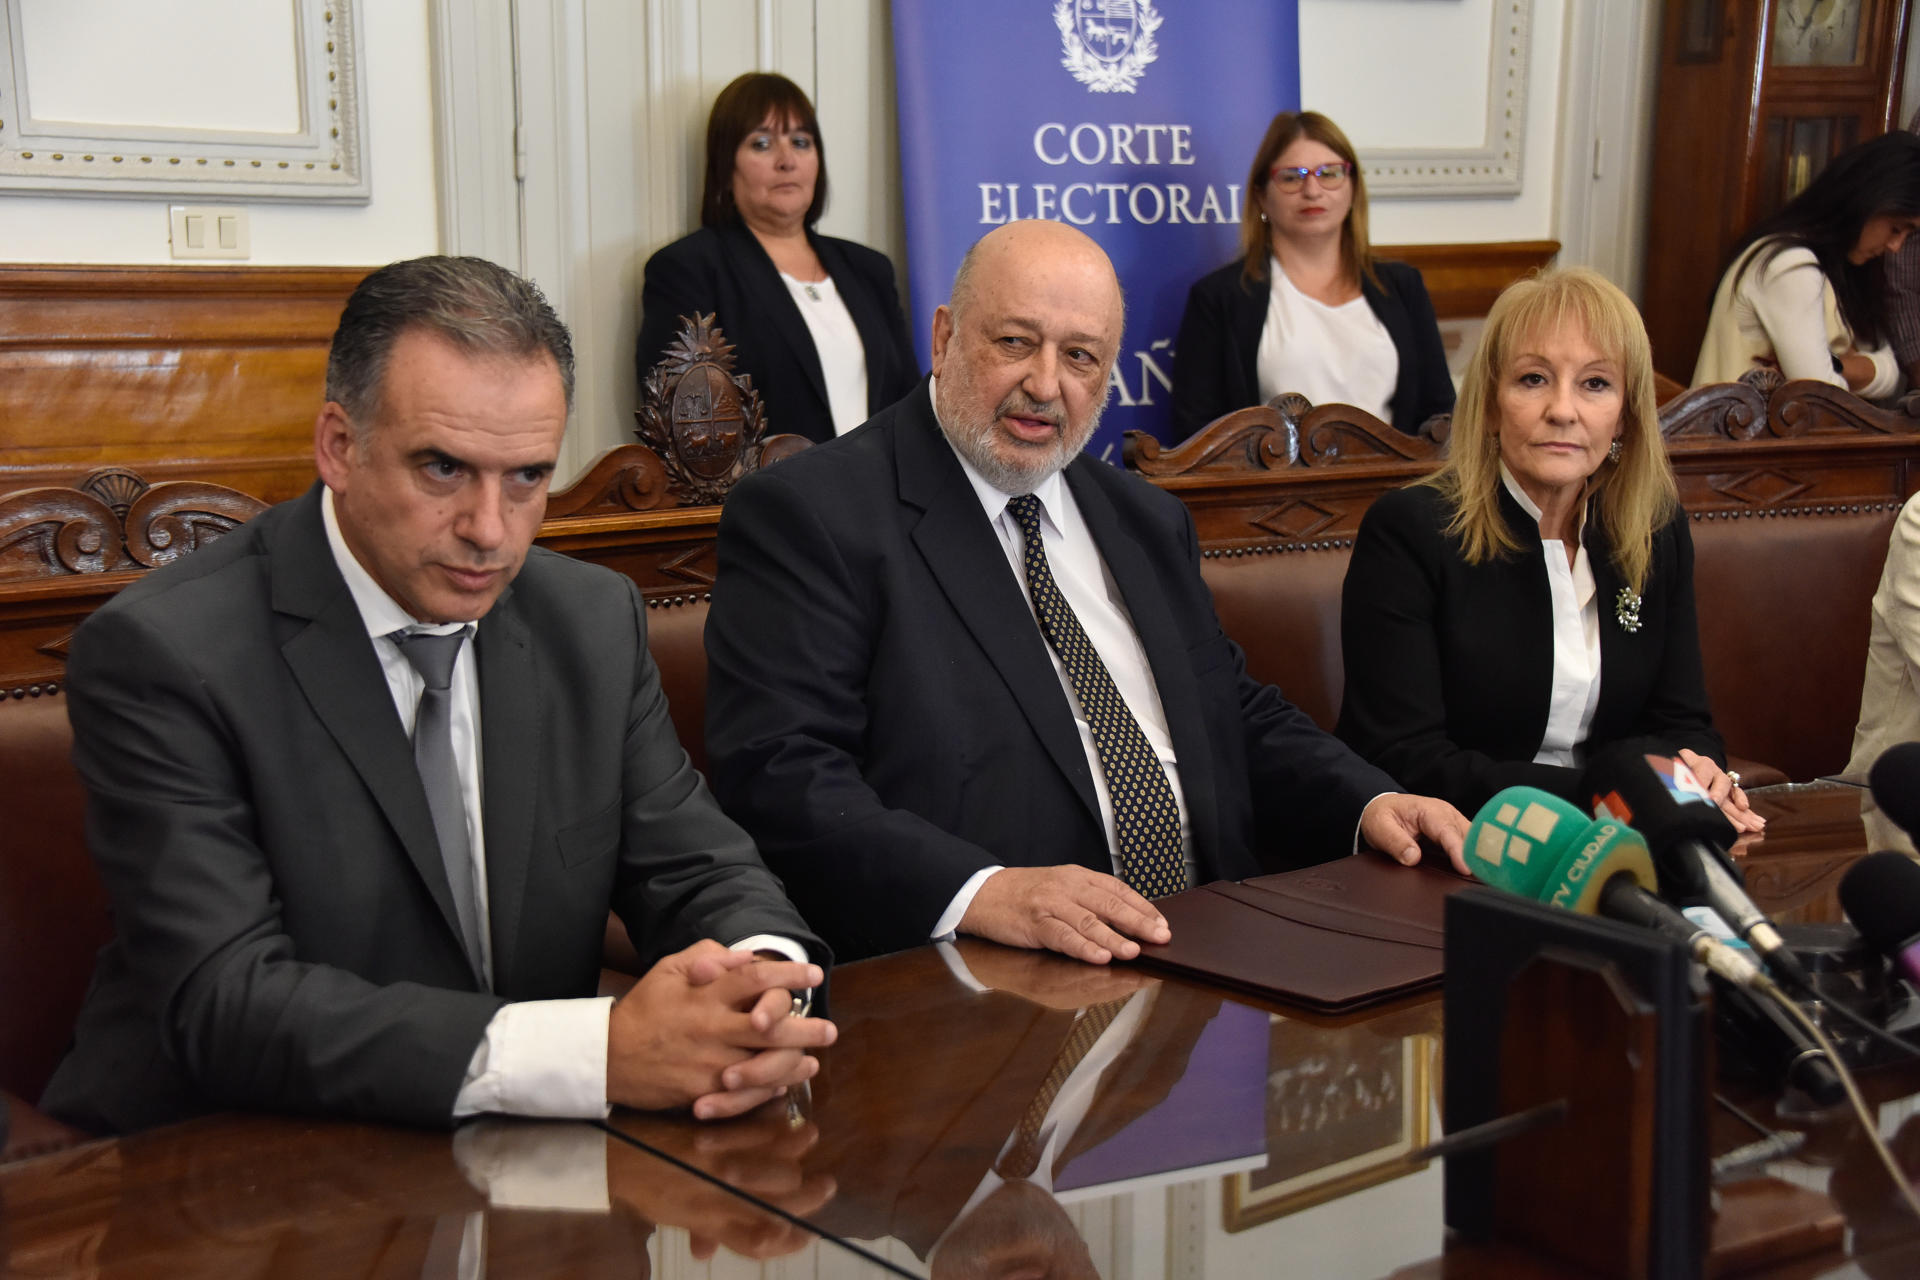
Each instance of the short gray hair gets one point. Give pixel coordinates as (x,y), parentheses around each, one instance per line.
(479,306)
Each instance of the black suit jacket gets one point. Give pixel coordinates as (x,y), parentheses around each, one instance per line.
(1450,665)
(1213,356)
(882,714)
(725,271)
(285,936)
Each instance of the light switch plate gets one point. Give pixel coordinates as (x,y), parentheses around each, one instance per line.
(209,231)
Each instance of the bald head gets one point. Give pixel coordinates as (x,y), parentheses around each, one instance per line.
(1022,352)
(1015,249)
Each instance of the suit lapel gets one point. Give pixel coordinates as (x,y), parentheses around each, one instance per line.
(960,549)
(332,659)
(760,279)
(511,751)
(1249,317)
(1156,622)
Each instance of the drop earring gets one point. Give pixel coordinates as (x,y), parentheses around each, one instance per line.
(1613,450)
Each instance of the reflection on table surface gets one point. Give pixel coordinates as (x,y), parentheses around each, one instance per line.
(236,1196)
(986,1112)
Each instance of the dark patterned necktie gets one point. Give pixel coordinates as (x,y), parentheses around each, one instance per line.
(1023,1156)
(1145,817)
(433,657)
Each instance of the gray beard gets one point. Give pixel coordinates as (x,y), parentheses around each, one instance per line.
(1025,469)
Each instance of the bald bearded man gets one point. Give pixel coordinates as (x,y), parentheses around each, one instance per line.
(965,678)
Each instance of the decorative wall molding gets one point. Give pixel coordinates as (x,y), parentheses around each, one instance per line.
(1493,167)
(324,160)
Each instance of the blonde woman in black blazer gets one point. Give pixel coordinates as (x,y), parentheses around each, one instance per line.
(1464,676)
(766,186)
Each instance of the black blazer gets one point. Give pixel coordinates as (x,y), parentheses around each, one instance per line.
(883,717)
(1213,357)
(725,271)
(1450,665)
(284,935)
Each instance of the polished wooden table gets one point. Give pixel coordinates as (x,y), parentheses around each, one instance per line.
(1205,1134)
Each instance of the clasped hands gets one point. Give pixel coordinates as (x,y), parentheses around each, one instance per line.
(711,1028)
(1095,917)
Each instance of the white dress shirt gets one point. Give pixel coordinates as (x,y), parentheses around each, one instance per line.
(843,357)
(1330,355)
(1576,639)
(538,1057)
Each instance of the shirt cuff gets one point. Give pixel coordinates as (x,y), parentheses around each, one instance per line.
(1363,818)
(541,1058)
(772,942)
(949,920)
(1886,374)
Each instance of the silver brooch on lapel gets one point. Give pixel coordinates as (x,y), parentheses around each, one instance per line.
(1626,609)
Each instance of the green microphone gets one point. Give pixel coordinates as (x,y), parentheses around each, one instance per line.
(1542,848)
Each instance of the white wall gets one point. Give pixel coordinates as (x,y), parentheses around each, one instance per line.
(1398,73)
(401,221)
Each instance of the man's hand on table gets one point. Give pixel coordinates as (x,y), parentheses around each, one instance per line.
(1073,910)
(710,1028)
(1394,823)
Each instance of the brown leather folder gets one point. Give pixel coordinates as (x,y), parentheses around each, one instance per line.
(1338,936)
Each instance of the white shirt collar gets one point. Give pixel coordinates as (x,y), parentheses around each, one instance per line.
(1532,508)
(380,612)
(994,501)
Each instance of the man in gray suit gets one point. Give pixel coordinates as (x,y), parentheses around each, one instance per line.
(365,777)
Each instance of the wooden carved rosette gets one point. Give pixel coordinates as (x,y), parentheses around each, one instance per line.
(113,520)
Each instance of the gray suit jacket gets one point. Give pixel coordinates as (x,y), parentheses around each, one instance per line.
(285,936)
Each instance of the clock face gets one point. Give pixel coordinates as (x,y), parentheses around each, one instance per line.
(1816,33)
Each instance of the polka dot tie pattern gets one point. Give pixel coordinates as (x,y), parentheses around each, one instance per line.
(1145,817)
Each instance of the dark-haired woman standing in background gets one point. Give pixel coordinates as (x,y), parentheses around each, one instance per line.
(1805,291)
(815,321)
(1306,306)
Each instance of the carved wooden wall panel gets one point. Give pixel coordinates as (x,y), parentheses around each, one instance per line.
(1806,447)
(200,373)
(1464,279)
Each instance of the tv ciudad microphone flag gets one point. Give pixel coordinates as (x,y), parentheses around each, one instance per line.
(1541,847)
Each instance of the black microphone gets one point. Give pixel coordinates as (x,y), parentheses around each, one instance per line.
(1881,896)
(1540,847)
(1895,783)
(1659,796)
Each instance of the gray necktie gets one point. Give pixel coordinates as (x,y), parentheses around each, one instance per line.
(433,657)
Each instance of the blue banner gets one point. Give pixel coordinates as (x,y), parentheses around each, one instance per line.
(1134,120)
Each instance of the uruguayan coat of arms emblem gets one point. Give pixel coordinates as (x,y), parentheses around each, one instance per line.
(1106,44)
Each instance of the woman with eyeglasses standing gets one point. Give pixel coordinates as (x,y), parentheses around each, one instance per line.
(1306,307)
(814,321)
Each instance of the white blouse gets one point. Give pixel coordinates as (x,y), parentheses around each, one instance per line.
(1330,355)
(842,357)
(1576,640)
